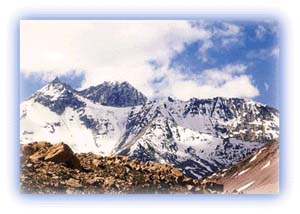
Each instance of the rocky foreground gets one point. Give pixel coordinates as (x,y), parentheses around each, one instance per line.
(47,168)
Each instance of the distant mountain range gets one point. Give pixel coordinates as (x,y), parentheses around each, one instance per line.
(200,136)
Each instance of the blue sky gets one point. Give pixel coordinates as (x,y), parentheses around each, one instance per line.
(183,59)
(254,48)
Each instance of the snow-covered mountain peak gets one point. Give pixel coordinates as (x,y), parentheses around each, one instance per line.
(199,135)
(57,95)
(55,89)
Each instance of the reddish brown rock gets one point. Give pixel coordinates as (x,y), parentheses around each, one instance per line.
(177,172)
(62,153)
(38,156)
(57,169)
(255,174)
(96,162)
(73,183)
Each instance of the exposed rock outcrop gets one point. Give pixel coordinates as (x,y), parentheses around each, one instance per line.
(42,151)
(118,94)
(62,153)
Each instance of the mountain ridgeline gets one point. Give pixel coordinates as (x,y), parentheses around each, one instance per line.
(200,136)
(114,94)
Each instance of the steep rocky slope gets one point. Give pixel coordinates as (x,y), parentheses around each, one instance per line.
(256,174)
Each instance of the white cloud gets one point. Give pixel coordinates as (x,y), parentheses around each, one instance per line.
(229,81)
(104,50)
(228,41)
(228,34)
(264,53)
(269,26)
(275,52)
(260,31)
(266,86)
(218,77)
(227,30)
(121,51)
(203,50)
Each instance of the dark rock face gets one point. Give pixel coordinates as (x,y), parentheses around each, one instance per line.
(98,174)
(115,94)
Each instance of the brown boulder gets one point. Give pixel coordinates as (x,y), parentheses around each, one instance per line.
(73,183)
(96,162)
(109,181)
(62,153)
(177,172)
(38,156)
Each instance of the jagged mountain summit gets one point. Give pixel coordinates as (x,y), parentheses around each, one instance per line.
(201,136)
(114,94)
(57,96)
